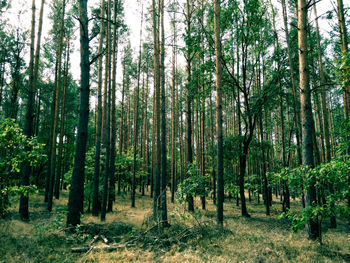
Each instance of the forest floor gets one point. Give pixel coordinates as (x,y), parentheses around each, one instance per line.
(190,237)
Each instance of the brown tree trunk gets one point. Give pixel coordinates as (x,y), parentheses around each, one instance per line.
(136,116)
(306,113)
(163,122)
(107,124)
(189,57)
(55,107)
(76,195)
(28,128)
(220,159)
(96,180)
(156,126)
(111,193)
(63,109)
(173,113)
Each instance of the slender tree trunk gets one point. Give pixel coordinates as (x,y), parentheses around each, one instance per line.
(28,128)
(163,123)
(136,116)
(266,192)
(189,154)
(111,193)
(51,173)
(76,194)
(107,123)
(220,160)
(173,112)
(95,201)
(63,109)
(156,120)
(306,114)
(146,132)
(212,145)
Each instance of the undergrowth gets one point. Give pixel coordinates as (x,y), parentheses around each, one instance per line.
(190,237)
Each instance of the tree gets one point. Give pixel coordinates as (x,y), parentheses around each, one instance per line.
(220,160)
(189,57)
(28,129)
(95,200)
(163,123)
(156,117)
(107,116)
(306,113)
(54,112)
(76,195)
(136,116)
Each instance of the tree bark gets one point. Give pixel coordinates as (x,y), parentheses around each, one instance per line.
(189,153)
(163,123)
(136,116)
(76,195)
(306,113)
(55,107)
(156,120)
(111,193)
(173,113)
(95,201)
(107,123)
(220,160)
(28,128)
(63,112)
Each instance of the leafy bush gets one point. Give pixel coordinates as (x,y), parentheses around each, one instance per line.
(194,185)
(16,150)
(333,188)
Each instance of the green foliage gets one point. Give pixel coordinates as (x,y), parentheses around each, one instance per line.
(332,184)
(194,185)
(343,69)
(231,188)
(16,150)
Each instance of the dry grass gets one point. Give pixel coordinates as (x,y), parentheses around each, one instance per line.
(190,238)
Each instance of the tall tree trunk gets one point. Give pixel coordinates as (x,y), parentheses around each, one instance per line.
(156,120)
(95,201)
(136,116)
(212,146)
(107,127)
(173,113)
(51,173)
(189,56)
(163,123)
(121,132)
(76,194)
(306,113)
(220,160)
(28,128)
(63,109)
(111,193)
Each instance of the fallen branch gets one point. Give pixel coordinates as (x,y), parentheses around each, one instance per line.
(99,248)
